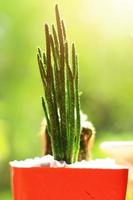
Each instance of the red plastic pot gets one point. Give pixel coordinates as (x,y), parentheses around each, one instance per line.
(40,183)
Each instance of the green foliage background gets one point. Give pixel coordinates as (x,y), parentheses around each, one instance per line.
(102,31)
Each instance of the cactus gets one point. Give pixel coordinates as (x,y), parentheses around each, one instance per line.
(61,101)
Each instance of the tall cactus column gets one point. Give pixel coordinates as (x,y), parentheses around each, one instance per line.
(61,102)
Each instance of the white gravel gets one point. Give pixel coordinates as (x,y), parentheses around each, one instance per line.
(48,161)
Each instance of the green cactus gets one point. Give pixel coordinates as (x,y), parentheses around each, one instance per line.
(61,102)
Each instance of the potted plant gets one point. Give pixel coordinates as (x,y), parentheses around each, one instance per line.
(56,177)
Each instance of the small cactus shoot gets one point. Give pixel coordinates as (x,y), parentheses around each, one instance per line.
(61,101)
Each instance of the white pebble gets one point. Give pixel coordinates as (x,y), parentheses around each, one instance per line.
(48,161)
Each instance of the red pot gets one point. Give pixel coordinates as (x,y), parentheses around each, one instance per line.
(40,183)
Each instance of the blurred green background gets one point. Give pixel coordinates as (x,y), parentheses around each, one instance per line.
(103,33)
